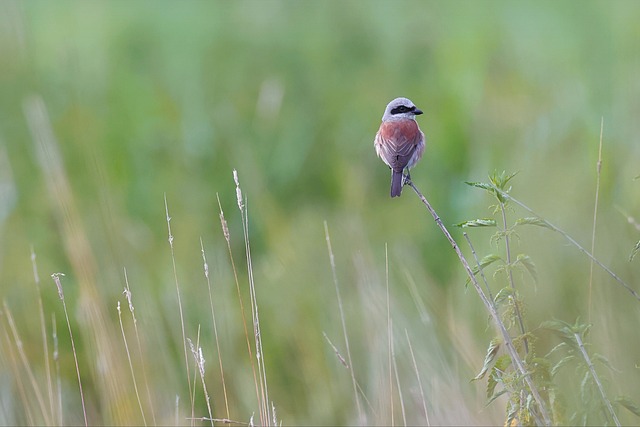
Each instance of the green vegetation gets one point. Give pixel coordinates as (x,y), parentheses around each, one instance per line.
(109,110)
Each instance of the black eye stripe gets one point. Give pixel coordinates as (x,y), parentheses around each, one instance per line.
(402,109)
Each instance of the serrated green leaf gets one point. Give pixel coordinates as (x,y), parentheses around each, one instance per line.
(494,346)
(629,404)
(484,262)
(503,294)
(541,369)
(501,365)
(532,220)
(492,382)
(565,329)
(503,362)
(597,357)
(525,260)
(555,349)
(482,185)
(584,392)
(480,222)
(564,361)
(495,396)
(501,180)
(488,260)
(489,188)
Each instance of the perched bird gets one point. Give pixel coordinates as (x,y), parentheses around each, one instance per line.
(399,141)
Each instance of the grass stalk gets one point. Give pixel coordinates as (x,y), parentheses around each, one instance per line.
(415,367)
(175,278)
(43,330)
(595,218)
(221,421)
(215,327)
(27,366)
(195,372)
(264,407)
(199,359)
(389,333)
(129,296)
(332,261)
(133,374)
(397,378)
(227,237)
(346,365)
(56,279)
(18,378)
(56,362)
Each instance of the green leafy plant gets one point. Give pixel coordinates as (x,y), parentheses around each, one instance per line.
(502,378)
(571,353)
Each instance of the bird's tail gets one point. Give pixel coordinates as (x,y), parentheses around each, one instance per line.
(396,182)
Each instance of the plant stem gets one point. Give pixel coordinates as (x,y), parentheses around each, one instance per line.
(513,353)
(571,240)
(515,298)
(596,379)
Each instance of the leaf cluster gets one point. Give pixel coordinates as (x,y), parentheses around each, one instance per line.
(569,355)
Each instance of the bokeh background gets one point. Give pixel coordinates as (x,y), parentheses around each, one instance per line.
(106,107)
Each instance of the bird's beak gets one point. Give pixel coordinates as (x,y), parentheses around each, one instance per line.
(417,112)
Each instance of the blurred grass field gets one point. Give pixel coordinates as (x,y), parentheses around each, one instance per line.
(143,100)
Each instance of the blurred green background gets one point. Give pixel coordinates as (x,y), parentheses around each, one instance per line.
(145,99)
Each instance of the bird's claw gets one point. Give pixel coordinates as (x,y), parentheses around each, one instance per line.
(406,179)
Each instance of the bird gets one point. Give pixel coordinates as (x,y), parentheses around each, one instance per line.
(399,141)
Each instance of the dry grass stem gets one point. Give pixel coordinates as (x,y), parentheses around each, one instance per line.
(195,372)
(56,361)
(346,365)
(397,377)
(332,261)
(227,237)
(133,374)
(199,359)
(215,327)
(415,367)
(43,330)
(56,279)
(221,420)
(27,403)
(595,218)
(26,365)
(389,333)
(129,296)
(175,278)
(264,402)
(96,327)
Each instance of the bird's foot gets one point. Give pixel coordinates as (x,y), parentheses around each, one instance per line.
(406,179)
